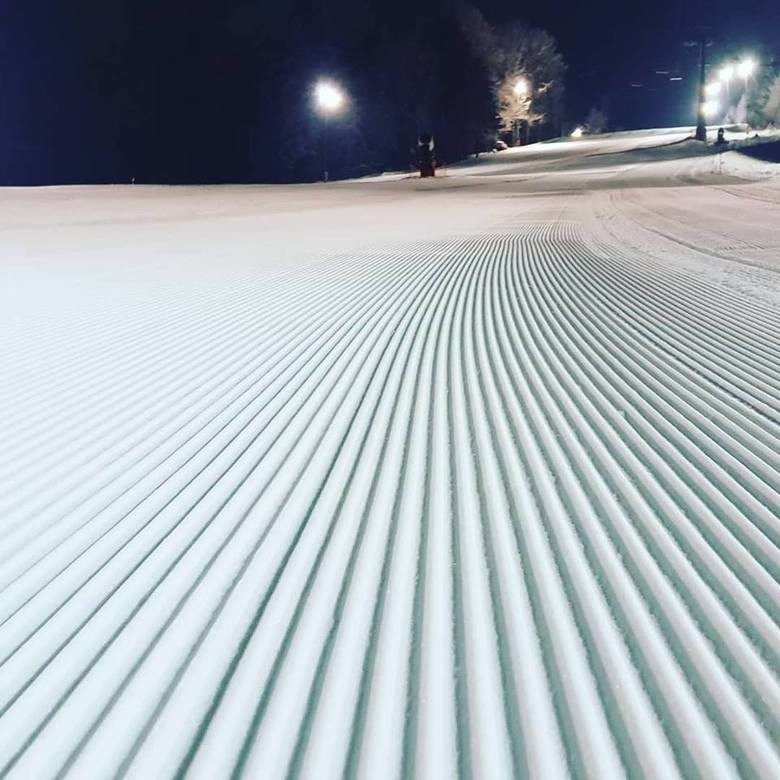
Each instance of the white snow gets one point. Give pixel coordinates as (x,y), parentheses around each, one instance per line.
(477,475)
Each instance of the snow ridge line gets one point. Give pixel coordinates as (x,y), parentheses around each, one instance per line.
(266,361)
(321,355)
(480,511)
(247,315)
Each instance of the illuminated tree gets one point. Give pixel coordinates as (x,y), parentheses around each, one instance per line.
(518,54)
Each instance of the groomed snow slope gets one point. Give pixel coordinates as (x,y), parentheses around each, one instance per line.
(476,476)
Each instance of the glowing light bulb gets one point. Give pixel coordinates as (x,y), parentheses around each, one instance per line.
(330,98)
(710,107)
(746,67)
(521,87)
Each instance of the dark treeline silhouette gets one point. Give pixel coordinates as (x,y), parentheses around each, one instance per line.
(219,90)
(198,91)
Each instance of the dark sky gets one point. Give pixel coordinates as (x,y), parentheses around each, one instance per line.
(70,70)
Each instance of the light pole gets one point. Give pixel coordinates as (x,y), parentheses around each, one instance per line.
(521,87)
(710,108)
(329,100)
(521,90)
(701,125)
(745,69)
(726,73)
(713,89)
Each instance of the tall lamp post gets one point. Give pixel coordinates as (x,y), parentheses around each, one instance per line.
(701,124)
(520,89)
(708,104)
(745,69)
(329,99)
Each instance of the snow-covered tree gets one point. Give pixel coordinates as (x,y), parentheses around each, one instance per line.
(597,121)
(772,106)
(525,68)
(514,102)
(763,103)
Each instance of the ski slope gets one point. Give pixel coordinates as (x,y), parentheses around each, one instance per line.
(477,476)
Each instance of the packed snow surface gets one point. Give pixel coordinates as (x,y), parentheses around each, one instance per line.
(476,476)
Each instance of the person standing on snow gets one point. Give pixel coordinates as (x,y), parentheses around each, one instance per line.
(425,158)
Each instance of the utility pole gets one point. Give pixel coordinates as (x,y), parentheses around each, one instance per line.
(329,100)
(701,126)
(325,149)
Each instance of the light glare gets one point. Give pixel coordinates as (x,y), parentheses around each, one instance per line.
(727,72)
(713,88)
(521,87)
(577,132)
(329,97)
(710,108)
(746,67)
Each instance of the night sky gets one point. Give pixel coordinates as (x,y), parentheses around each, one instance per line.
(215,90)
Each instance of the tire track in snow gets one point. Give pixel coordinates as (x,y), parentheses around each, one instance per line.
(501,506)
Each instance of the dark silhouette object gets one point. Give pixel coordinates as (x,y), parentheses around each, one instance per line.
(425,159)
(721,137)
(701,124)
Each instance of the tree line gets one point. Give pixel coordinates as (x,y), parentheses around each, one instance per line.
(198,91)
(445,70)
